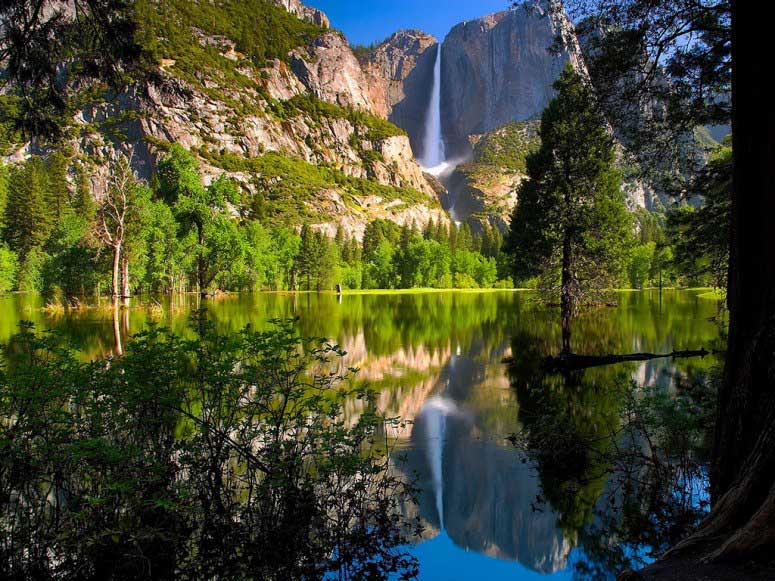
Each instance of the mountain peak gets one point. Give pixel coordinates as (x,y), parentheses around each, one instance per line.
(304,12)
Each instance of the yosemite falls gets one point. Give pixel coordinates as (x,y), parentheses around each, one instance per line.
(433,144)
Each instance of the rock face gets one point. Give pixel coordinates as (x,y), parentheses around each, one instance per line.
(484,189)
(498,69)
(304,12)
(330,71)
(326,150)
(399,75)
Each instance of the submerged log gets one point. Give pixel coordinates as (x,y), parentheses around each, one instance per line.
(573,361)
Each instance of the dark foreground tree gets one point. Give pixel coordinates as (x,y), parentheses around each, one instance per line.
(741,524)
(48,45)
(694,40)
(571,224)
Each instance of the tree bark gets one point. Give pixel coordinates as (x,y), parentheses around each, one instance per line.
(741,524)
(573,361)
(124,277)
(566,300)
(115,280)
(200,261)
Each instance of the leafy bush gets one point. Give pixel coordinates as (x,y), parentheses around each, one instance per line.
(508,146)
(288,184)
(219,456)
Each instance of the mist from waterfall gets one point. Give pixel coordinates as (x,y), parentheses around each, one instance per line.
(433,144)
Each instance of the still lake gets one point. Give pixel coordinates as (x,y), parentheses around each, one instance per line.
(436,359)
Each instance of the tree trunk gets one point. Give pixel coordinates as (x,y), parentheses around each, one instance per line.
(566,300)
(118,345)
(200,268)
(124,277)
(741,524)
(115,280)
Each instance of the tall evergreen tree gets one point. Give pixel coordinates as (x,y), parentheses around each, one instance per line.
(571,224)
(3,195)
(83,201)
(57,187)
(27,217)
(307,263)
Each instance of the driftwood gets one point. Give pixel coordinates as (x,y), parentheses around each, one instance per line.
(573,361)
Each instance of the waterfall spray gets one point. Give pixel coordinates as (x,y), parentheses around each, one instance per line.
(433,146)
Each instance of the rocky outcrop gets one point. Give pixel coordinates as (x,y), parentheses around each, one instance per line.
(484,189)
(329,70)
(499,69)
(203,119)
(399,74)
(304,12)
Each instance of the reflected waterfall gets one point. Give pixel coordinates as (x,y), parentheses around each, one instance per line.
(436,410)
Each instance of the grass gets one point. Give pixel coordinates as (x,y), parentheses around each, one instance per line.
(716,294)
(413,291)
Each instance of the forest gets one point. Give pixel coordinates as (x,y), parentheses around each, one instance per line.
(57,240)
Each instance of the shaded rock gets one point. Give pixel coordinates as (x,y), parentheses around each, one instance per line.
(498,69)
(400,75)
(304,12)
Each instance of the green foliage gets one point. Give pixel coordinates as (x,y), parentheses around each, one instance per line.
(367,126)
(56,61)
(508,147)
(28,216)
(641,259)
(288,184)
(3,194)
(10,135)
(220,455)
(701,237)
(571,225)
(83,202)
(29,277)
(183,235)
(8,267)
(261,30)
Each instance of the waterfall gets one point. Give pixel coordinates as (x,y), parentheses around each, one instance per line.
(433,146)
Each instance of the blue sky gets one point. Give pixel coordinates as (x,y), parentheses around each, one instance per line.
(366,21)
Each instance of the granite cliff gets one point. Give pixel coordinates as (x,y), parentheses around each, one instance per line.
(300,130)
(400,73)
(498,69)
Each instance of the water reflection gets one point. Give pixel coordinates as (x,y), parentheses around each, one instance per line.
(436,361)
(477,490)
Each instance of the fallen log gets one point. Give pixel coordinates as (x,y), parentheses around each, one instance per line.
(573,361)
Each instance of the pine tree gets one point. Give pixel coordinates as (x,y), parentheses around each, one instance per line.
(27,219)
(83,202)
(306,263)
(57,187)
(571,224)
(3,196)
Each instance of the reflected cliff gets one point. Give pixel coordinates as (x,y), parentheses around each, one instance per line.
(474,486)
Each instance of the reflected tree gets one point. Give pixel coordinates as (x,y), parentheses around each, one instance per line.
(624,466)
